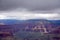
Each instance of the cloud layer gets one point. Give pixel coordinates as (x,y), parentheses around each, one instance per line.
(25,15)
(30,9)
(32,5)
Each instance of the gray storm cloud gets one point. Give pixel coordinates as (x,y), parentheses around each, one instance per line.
(25,9)
(29,4)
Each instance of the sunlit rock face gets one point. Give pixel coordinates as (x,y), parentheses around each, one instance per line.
(35,25)
(43,26)
(38,26)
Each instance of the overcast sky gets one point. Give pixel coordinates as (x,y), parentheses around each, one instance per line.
(30,4)
(25,9)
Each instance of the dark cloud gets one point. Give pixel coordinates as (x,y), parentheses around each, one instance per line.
(29,4)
